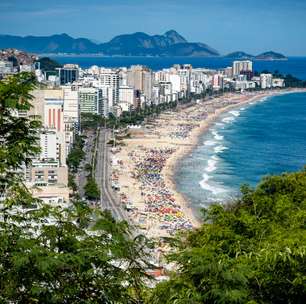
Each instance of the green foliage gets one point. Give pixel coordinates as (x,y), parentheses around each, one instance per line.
(71,182)
(76,154)
(47,64)
(293,82)
(18,135)
(250,251)
(91,121)
(68,255)
(92,192)
(290,81)
(57,254)
(88,168)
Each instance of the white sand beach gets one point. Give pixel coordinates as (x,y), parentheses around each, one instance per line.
(143,167)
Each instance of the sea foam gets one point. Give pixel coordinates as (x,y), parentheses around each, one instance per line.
(209,187)
(235,113)
(220,149)
(217,136)
(209,143)
(219,124)
(212,164)
(228,119)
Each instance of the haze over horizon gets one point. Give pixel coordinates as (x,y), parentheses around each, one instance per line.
(238,26)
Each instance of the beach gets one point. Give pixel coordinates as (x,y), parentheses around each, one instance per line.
(144,165)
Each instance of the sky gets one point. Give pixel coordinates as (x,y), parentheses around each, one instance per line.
(252,26)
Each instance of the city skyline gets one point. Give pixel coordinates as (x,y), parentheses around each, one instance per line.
(243,25)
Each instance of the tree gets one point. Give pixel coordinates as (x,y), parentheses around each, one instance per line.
(57,254)
(48,65)
(291,81)
(68,255)
(76,154)
(91,121)
(71,183)
(88,167)
(92,191)
(18,135)
(250,251)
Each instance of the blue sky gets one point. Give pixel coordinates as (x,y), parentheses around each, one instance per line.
(249,25)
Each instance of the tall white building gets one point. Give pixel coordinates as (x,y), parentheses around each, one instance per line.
(175,82)
(184,71)
(48,145)
(71,115)
(266,81)
(217,81)
(140,78)
(108,81)
(166,92)
(126,95)
(147,84)
(278,83)
(242,66)
(200,80)
(71,104)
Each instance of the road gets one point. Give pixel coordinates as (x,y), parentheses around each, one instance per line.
(108,198)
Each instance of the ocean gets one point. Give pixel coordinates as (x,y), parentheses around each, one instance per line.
(244,145)
(294,65)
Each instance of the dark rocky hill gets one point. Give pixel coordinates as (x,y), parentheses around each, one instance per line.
(138,44)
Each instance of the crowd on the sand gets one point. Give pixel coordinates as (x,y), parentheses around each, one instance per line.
(150,203)
(182,131)
(158,199)
(159,202)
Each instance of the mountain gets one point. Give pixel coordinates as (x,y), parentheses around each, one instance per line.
(271,56)
(190,49)
(264,56)
(239,55)
(137,44)
(50,44)
(47,64)
(169,44)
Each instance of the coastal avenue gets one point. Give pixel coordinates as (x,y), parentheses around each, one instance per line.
(107,198)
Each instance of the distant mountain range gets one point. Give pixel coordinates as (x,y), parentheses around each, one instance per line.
(170,44)
(264,56)
(138,44)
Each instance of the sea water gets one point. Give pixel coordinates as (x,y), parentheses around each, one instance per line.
(244,145)
(294,65)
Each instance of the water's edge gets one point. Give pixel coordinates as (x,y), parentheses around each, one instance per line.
(210,165)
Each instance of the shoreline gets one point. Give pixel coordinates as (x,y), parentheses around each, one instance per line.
(171,166)
(205,113)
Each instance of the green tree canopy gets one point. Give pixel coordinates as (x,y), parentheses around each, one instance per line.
(76,154)
(250,251)
(68,255)
(47,64)
(91,121)
(92,191)
(18,135)
(57,254)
